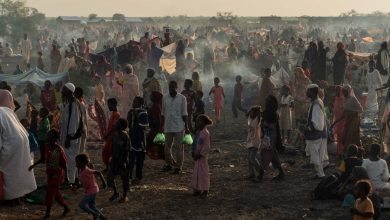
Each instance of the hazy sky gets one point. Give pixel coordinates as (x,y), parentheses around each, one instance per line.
(150,8)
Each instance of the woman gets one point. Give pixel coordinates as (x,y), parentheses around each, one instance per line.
(298,92)
(55,58)
(339,64)
(153,150)
(352,112)
(14,152)
(130,89)
(338,127)
(270,130)
(48,97)
(101,118)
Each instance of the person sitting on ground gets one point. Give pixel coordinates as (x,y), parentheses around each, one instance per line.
(350,162)
(363,208)
(377,170)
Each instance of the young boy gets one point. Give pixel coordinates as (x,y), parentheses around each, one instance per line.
(120,159)
(363,208)
(107,150)
(138,122)
(190,97)
(88,180)
(43,129)
(56,168)
(237,104)
(31,138)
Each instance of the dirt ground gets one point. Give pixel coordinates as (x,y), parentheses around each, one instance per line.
(232,196)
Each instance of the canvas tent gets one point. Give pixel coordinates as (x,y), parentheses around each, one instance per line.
(34,76)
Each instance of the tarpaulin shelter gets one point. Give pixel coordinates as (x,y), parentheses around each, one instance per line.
(34,76)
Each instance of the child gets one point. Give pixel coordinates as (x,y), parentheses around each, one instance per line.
(363,208)
(349,163)
(56,171)
(219,96)
(286,107)
(88,180)
(200,177)
(253,141)
(107,150)
(199,105)
(40,64)
(31,138)
(196,84)
(237,98)
(190,97)
(120,159)
(138,122)
(43,129)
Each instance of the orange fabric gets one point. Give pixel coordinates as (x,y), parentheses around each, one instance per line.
(107,150)
(365,206)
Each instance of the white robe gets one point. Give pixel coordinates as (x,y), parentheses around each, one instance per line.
(378,173)
(74,148)
(374,81)
(26,47)
(15,156)
(317,149)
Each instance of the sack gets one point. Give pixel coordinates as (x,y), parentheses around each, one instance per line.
(187,139)
(159,138)
(326,188)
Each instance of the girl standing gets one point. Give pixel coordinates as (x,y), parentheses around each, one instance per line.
(200,177)
(286,107)
(253,140)
(219,97)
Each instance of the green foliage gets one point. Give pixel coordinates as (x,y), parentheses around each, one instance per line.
(118,17)
(17,19)
(92,16)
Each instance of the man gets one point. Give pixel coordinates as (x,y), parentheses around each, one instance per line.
(145,44)
(150,84)
(352,47)
(232,52)
(71,133)
(315,134)
(174,111)
(266,88)
(26,47)
(383,59)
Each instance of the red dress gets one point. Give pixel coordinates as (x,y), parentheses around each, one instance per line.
(107,150)
(55,161)
(48,99)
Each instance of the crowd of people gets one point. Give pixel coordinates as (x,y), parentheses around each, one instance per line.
(315,98)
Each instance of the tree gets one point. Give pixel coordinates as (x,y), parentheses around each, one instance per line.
(17,19)
(92,16)
(118,17)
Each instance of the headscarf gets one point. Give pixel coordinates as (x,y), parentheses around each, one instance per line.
(351,103)
(6,99)
(300,75)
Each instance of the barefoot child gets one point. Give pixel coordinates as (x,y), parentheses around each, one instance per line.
(120,160)
(253,141)
(363,208)
(88,180)
(200,177)
(219,96)
(237,98)
(55,160)
(107,150)
(138,122)
(31,138)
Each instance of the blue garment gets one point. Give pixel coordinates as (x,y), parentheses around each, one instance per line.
(32,141)
(88,204)
(195,143)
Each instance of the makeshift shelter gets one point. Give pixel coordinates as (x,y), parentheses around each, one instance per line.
(34,76)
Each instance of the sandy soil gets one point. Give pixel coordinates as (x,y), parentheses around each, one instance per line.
(232,196)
